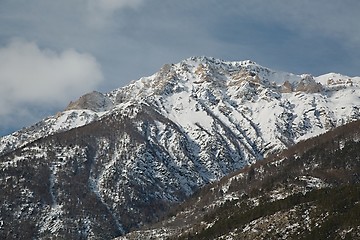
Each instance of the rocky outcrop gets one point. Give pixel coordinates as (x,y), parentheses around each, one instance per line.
(94,101)
(286,87)
(308,84)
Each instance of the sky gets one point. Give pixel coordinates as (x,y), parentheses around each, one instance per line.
(52,52)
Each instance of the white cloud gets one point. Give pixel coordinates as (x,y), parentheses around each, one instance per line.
(42,78)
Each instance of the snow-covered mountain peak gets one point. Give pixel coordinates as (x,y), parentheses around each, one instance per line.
(197,71)
(206,72)
(194,91)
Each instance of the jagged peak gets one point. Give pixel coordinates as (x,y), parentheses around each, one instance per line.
(197,70)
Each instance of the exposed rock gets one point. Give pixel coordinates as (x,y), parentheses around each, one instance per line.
(286,87)
(94,101)
(308,85)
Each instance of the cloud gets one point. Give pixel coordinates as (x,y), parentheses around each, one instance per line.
(36,78)
(113,5)
(100,11)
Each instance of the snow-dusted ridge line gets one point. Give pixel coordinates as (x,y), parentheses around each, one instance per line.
(183,80)
(60,122)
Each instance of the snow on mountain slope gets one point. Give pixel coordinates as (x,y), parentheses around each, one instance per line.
(63,121)
(140,148)
(250,100)
(276,189)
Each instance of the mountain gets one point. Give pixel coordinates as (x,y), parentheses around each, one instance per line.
(240,88)
(112,162)
(309,191)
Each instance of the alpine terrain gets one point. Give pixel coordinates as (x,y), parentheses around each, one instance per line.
(309,191)
(111,163)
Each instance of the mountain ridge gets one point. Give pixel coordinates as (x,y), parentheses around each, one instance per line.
(91,106)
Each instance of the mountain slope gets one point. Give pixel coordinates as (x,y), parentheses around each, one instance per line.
(124,158)
(310,191)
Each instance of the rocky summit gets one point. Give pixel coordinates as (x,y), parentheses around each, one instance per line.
(112,162)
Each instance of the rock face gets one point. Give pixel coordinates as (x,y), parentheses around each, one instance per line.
(112,162)
(286,87)
(308,84)
(94,101)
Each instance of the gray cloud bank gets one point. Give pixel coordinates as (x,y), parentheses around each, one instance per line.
(41,78)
